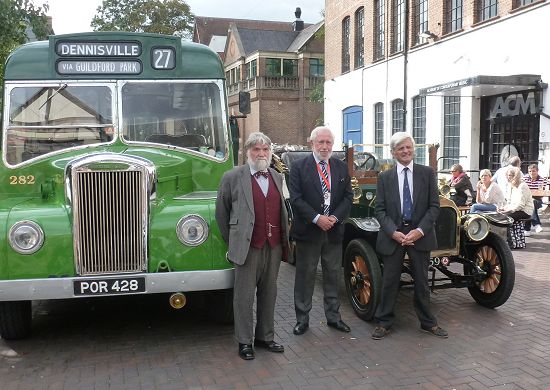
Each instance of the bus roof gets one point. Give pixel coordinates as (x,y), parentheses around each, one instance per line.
(113,55)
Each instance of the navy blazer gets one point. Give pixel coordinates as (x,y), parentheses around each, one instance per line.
(424,214)
(306,198)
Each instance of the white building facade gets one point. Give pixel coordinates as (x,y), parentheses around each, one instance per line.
(478,88)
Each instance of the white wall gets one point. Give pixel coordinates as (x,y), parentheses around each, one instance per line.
(515,44)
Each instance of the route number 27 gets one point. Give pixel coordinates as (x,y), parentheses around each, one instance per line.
(164,58)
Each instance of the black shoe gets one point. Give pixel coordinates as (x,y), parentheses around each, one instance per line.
(300,328)
(339,325)
(271,346)
(436,331)
(246,352)
(379,333)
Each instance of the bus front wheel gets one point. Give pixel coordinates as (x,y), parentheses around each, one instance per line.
(15,319)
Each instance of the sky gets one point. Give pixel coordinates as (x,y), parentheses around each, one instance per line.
(70,16)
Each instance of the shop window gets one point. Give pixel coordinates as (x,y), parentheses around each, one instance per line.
(451,130)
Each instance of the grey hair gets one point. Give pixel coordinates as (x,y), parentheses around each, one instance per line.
(256,138)
(320,129)
(515,161)
(399,137)
(485,172)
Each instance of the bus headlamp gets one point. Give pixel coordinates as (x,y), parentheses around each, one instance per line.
(26,237)
(192,230)
(476,227)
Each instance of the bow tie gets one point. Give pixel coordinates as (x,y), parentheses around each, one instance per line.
(261,173)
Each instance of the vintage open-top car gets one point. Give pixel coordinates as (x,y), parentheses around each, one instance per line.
(472,250)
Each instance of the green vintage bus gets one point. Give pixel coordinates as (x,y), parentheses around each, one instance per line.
(113,145)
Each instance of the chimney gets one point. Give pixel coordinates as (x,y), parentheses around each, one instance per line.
(298,24)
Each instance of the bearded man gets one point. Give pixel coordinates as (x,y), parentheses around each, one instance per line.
(253,221)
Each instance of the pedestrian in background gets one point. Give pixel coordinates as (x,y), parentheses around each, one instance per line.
(489,196)
(407,207)
(253,221)
(461,186)
(321,197)
(535,182)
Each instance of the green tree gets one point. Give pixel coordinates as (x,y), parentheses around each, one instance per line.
(16,16)
(171,17)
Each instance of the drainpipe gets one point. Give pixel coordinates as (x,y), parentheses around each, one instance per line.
(405,63)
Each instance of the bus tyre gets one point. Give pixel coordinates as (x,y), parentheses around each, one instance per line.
(220,306)
(15,319)
(363,278)
(493,256)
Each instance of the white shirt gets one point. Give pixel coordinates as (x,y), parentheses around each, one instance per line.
(262,181)
(401,180)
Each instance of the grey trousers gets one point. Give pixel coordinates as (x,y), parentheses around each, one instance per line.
(256,277)
(393,264)
(307,259)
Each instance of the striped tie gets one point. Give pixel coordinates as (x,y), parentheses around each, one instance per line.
(407,201)
(326,207)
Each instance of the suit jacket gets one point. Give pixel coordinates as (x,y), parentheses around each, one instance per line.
(424,213)
(235,211)
(306,198)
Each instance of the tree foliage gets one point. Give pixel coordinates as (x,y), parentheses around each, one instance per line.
(171,17)
(16,16)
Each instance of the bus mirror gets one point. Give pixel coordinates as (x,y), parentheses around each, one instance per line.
(244,102)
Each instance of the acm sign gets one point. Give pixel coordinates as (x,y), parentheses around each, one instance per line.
(514,105)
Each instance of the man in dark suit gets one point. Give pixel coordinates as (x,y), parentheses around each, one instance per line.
(252,218)
(407,207)
(320,196)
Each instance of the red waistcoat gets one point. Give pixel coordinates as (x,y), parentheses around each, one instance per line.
(267,212)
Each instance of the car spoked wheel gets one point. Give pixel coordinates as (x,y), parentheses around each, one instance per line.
(495,258)
(488,260)
(362,278)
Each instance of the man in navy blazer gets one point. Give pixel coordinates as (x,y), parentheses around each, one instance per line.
(320,196)
(407,207)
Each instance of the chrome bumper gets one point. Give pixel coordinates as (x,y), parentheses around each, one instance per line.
(162,282)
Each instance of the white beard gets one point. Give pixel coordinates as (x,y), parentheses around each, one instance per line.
(318,156)
(259,164)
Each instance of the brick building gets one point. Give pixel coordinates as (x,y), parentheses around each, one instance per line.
(468,74)
(279,64)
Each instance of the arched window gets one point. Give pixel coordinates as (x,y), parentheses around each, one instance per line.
(345,45)
(359,54)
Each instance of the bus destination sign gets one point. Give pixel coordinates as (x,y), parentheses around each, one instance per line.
(98,57)
(98,67)
(98,49)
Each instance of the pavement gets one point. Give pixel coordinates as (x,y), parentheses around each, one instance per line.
(138,342)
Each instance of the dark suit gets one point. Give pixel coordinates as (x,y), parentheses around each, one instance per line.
(424,215)
(255,269)
(312,243)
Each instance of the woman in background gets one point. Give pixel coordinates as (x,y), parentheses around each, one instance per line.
(489,195)
(461,186)
(519,202)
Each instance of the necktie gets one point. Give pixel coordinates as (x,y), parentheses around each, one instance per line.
(326,207)
(407,201)
(261,173)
